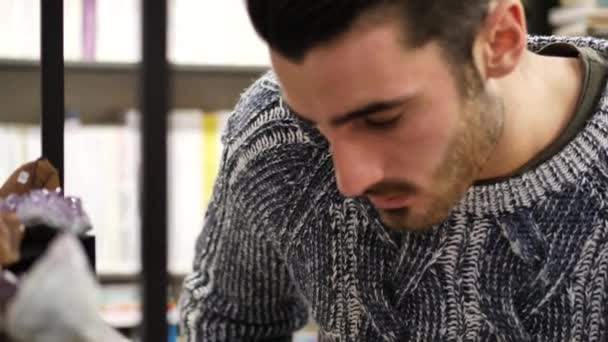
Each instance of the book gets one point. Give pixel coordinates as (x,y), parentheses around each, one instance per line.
(194,152)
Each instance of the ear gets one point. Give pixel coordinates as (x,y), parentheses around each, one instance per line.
(504,38)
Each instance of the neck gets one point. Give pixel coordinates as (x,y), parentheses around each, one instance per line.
(539,98)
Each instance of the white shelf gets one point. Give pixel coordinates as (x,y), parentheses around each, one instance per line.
(102,92)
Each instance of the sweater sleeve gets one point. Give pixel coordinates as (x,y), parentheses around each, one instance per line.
(240,289)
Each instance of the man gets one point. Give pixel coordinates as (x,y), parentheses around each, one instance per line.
(416,171)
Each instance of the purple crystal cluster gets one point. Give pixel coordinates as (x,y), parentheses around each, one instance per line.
(49,208)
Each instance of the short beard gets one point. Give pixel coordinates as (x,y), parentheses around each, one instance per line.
(471,145)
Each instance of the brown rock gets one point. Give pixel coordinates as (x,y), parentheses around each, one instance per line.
(11,234)
(39,174)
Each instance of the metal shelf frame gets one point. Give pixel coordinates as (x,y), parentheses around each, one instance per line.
(102,92)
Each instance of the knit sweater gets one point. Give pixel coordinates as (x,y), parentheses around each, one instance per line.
(521,259)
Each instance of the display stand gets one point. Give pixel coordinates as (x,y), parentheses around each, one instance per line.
(154,90)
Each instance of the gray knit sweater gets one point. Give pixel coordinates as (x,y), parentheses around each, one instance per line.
(524,259)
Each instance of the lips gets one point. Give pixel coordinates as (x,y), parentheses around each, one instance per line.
(390,202)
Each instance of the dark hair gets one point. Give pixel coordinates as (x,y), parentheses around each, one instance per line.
(293,27)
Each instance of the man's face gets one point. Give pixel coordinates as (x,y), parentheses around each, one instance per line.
(404,131)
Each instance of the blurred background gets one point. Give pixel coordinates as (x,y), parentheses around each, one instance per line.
(215,55)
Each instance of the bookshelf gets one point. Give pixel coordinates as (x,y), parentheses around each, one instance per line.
(101,92)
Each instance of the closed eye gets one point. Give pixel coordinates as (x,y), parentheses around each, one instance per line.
(384,122)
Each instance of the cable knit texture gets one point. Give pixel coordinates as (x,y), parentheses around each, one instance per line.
(524,259)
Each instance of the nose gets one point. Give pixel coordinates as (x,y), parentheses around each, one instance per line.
(357,167)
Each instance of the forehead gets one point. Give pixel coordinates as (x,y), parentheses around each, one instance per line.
(367,64)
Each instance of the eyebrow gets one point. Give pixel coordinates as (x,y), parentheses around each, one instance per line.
(362,112)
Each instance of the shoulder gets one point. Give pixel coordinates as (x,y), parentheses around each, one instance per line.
(260,116)
(536,43)
(261,132)
(272,160)
(256,106)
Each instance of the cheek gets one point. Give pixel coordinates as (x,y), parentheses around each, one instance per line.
(419,146)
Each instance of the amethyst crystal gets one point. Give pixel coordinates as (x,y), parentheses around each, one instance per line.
(49,208)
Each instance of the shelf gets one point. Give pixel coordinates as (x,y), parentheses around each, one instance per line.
(129,278)
(101,92)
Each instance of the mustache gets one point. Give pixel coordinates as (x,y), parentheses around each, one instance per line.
(391,188)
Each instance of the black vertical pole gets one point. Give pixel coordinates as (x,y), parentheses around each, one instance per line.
(537,12)
(52,65)
(154,88)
